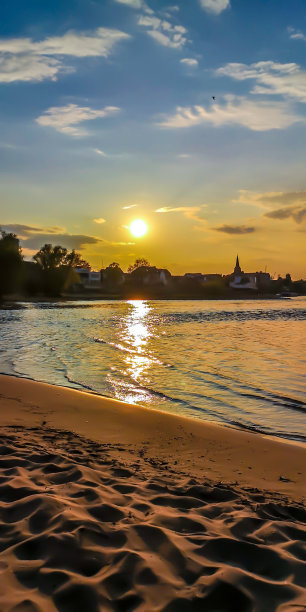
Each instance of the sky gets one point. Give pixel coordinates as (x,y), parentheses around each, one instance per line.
(188,115)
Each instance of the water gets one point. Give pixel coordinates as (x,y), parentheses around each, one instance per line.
(237,362)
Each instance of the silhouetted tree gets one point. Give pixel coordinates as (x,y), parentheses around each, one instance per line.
(74,259)
(50,258)
(113,275)
(11,263)
(58,266)
(139,263)
(288,280)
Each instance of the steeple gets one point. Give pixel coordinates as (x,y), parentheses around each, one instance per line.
(237,269)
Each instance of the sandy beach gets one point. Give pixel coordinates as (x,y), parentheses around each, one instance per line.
(113,507)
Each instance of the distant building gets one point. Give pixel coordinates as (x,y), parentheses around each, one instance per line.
(89,279)
(247,280)
(202,278)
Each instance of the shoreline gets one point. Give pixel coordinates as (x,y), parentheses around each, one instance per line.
(152,298)
(142,422)
(299,440)
(111,507)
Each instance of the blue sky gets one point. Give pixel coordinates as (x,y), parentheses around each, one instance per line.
(108,104)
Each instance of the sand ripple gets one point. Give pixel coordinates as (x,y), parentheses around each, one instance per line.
(81,531)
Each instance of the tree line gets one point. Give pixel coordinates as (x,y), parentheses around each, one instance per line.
(52,273)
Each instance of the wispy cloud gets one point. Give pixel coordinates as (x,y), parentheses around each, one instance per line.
(278,204)
(24,59)
(297,213)
(238,110)
(235,229)
(181,209)
(271,78)
(189,61)
(64,119)
(191,212)
(33,237)
(99,152)
(100,220)
(129,206)
(163,31)
(271,199)
(135,4)
(215,6)
(296,34)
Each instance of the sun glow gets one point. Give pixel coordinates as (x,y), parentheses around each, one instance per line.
(138,228)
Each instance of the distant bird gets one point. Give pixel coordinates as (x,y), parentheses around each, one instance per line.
(213,97)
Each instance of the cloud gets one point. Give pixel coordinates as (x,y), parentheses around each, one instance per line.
(33,237)
(64,118)
(100,220)
(30,68)
(270,199)
(189,61)
(235,229)
(163,31)
(284,204)
(184,209)
(236,110)
(99,152)
(23,59)
(296,34)
(70,241)
(135,4)
(215,6)
(130,206)
(191,212)
(272,78)
(297,213)
(29,230)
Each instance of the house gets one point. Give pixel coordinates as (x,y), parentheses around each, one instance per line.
(89,279)
(247,280)
(150,276)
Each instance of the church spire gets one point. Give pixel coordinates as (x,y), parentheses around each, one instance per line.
(237,267)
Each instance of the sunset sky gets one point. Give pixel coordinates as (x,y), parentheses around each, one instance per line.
(188,115)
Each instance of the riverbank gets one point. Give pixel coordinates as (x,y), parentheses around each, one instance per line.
(110,506)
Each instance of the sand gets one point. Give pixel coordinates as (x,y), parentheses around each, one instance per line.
(106,506)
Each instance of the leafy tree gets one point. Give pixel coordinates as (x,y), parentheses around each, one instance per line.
(11,263)
(114,265)
(74,260)
(288,280)
(113,274)
(139,263)
(50,258)
(57,265)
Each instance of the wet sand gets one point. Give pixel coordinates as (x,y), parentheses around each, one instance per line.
(112,507)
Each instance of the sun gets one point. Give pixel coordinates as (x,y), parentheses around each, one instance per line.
(138,228)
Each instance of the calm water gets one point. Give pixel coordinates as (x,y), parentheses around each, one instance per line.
(238,362)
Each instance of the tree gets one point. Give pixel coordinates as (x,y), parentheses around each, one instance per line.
(74,260)
(11,263)
(288,280)
(57,266)
(113,274)
(139,263)
(50,258)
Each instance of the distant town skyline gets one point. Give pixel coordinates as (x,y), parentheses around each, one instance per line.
(188,117)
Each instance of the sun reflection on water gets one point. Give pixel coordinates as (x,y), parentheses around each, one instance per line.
(135,336)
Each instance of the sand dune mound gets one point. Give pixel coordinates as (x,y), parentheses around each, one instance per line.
(82,532)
